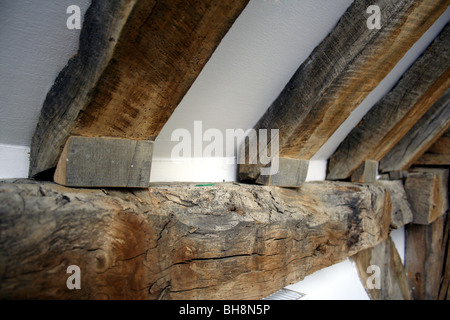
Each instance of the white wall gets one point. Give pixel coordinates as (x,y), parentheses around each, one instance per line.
(255,60)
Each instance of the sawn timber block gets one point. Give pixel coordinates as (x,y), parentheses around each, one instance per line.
(105,162)
(291,173)
(427,191)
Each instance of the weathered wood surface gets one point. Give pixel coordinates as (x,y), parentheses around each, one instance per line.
(393,283)
(136,61)
(424,258)
(397,112)
(339,74)
(180,241)
(444,289)
(438,153)
(420,138)
(367,172)
(291,173)
(401,213)
(105,162)
(427,191)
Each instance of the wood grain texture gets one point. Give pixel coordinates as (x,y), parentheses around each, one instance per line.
(427,191)
(424,258)
(138,70)
(401,213)
(228,241)
(395,114)
(392,278)
(420,138)
(105,162)
(338,75)
(367,172)
(438,154)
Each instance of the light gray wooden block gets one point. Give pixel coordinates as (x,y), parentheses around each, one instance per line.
(291,173)
(401,213)
(105,162)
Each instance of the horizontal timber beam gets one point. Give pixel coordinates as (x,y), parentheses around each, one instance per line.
(338,75)
(390,119)
(135,63)
(180,241)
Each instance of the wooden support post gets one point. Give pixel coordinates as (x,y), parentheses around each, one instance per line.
(427,191)
(225,241)
(382,273)
(367,172)
(438,154)
(424,258)
(105,162)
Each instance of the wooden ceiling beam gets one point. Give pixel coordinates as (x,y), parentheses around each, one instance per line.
(396,113)
(136,61)
(438,154)
(339,74)
(424,133)
(181,241)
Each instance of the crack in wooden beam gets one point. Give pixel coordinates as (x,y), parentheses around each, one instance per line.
(140,245)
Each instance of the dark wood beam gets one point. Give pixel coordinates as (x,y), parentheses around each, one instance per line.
(226,241)
(339,74)
(136,61)
(420,138)
(397,112)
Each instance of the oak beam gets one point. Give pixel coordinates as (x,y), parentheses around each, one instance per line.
(424,258)
(427,191)
(180,241)
(438,154)
(136,61)
(396,113)
(105,162)
(420,138)
(391,282)
(339,74)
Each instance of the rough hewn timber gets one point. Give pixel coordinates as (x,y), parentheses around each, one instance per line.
(396,113)
(420,138)
(424,258)
(427,191)
(339,74)
(392,282)
(227,241)
(438,154)
(136,61)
